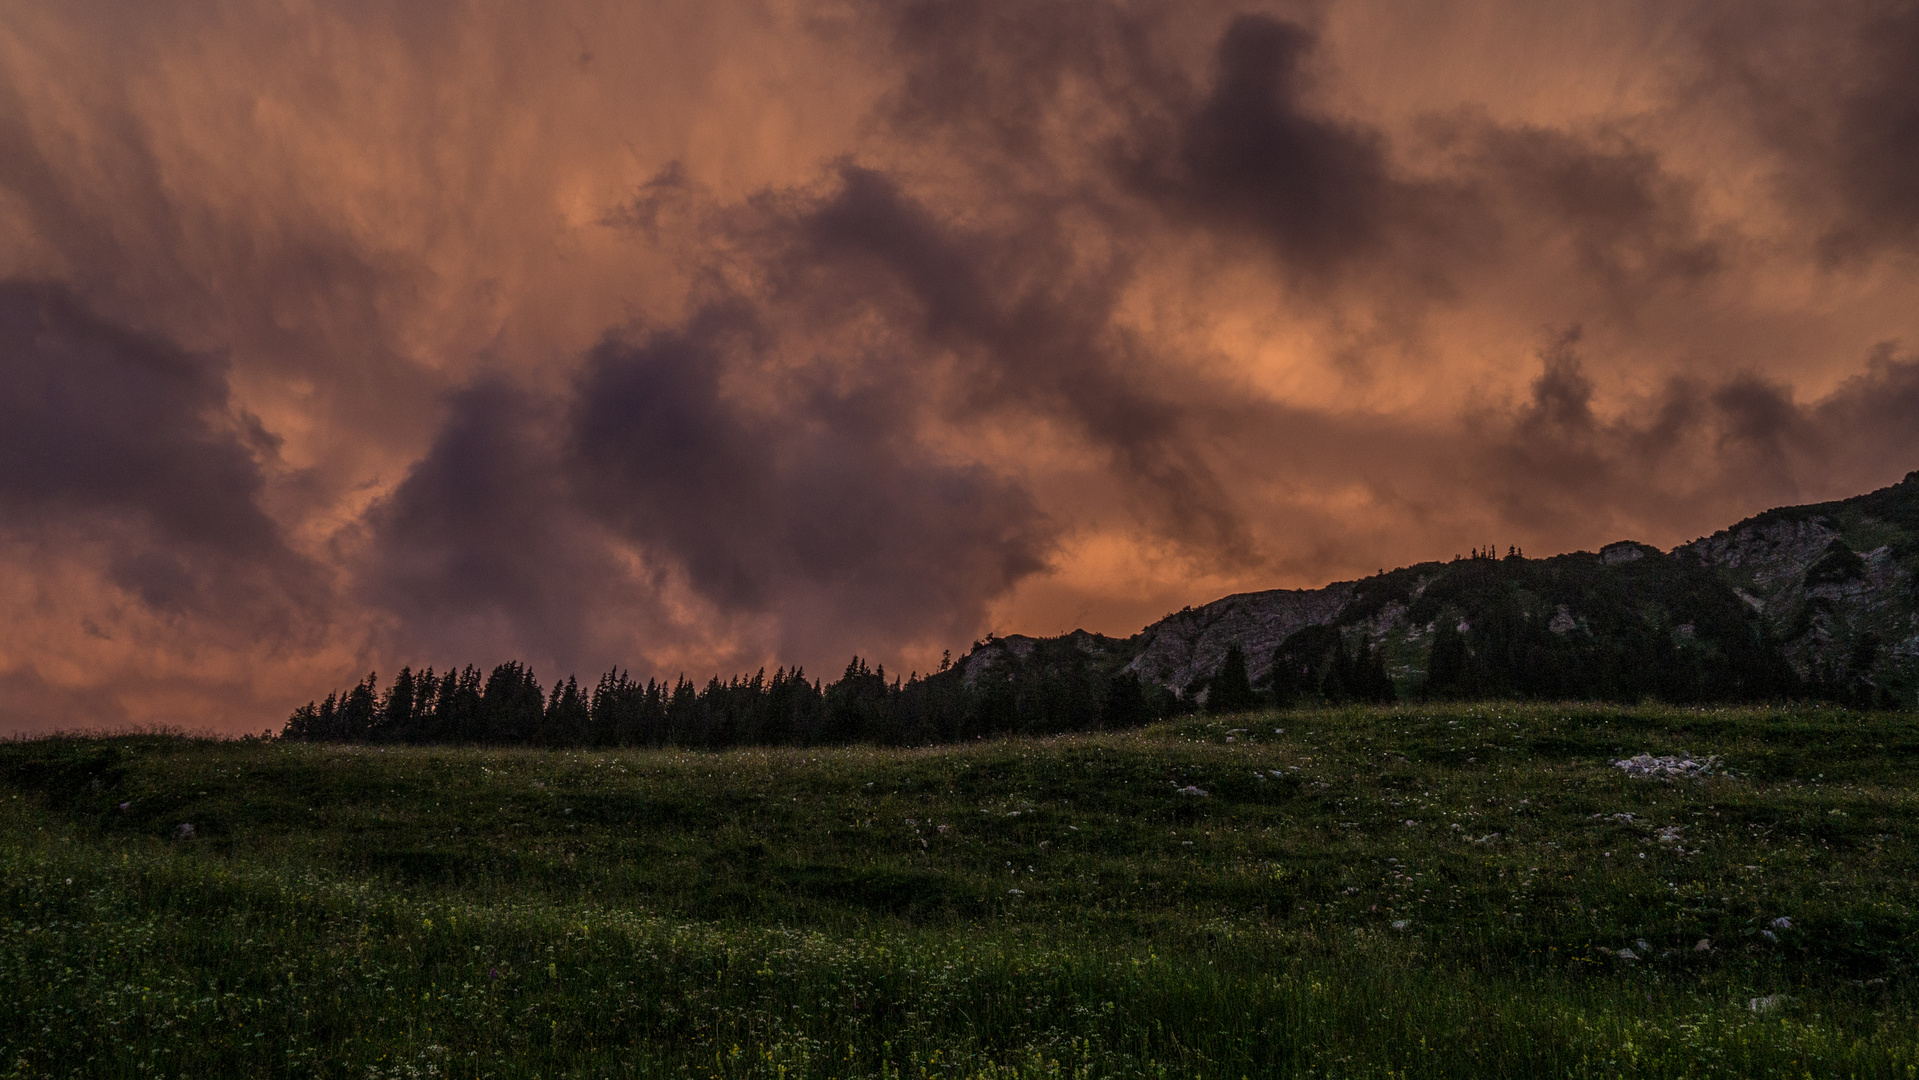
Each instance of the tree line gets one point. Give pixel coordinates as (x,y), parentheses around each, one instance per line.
(1047,693)
(1661,629)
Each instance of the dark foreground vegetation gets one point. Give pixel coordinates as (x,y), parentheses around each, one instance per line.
(1444,891)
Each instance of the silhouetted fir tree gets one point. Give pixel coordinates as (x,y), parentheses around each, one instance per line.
(354,721)
(512,707)
(1369,680)
(1303,662)
(1446,663)
(683,713)
(394,714)
(855,703)
(1230,690)
(1125,704)
(1337,683)
(568,722)
(456,714)
(304,724)
(426,697)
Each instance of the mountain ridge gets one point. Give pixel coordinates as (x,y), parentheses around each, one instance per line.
(1815,600)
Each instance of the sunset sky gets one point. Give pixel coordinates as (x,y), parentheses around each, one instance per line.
(696,336)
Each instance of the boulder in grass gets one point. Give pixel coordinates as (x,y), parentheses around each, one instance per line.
(1647,766)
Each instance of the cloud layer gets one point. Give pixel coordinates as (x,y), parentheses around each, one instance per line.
(707,336)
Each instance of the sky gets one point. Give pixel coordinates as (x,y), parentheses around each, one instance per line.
(699,335)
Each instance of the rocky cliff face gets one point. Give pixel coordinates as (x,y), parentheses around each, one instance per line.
(1836,584)
(1186,647)
(1819,600)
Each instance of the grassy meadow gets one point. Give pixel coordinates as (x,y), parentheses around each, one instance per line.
(1408,891)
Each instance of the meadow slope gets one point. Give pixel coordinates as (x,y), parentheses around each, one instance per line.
(1421,891)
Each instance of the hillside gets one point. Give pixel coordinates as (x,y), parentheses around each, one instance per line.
(1818,601)
(1439,891)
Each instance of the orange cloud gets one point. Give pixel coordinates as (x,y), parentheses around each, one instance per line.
(700,336)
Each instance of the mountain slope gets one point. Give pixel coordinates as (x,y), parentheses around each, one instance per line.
(1814,601)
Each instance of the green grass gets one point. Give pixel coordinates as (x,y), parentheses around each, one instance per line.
(1397,892)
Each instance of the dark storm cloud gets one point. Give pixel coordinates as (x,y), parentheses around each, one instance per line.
(1878,134)
(992,75)
(1251,160)
(1831,87)
(1030,329)
(807,502)
(1239,152)
(1693,452)
(1630,224)
(814,502)
(1243,149)
(120,439)
(479,552)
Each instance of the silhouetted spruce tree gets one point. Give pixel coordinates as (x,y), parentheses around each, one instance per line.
(1230,690)
(394,715)
(567,718)
(1125,705)
(683,713)
(354,721)
(304,724)
(1301,663)
(854,703)
(1446,663)
(512,706)
(1370,681)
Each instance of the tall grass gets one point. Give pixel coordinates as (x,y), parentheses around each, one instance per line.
(1395,892)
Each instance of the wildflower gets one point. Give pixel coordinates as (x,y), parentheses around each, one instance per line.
(1400,924)
(1193,791)
(184,832)
(1783,922)
(1767,1003)
(1705,945)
